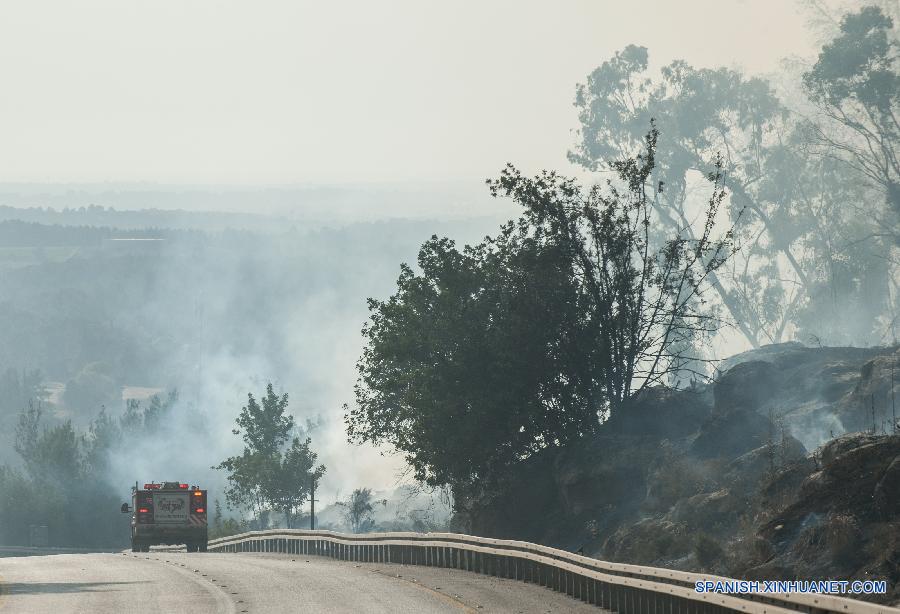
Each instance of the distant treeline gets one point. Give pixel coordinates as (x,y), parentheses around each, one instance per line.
(107,314)
(18,233)
(95,215)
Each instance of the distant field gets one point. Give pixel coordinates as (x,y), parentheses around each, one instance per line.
(18,257)
(140,393)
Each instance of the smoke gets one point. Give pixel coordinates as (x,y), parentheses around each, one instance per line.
(230,312)
(816,432)
(194,433)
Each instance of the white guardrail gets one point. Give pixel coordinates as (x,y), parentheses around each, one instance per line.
(627,589)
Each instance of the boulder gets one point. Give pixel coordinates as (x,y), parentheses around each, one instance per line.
(843,444)
(732,434)
(887,490)
(869,405)
(748,386)
(651,541)
(661,413)
(747,470)
(714,512)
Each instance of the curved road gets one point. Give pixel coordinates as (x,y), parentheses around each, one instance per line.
(235,583)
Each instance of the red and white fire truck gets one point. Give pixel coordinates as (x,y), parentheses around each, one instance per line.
(167,513)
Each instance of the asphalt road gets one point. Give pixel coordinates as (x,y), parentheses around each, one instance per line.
(234,583)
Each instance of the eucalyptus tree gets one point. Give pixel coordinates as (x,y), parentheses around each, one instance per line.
(855,84)
(701,113)
(800,270)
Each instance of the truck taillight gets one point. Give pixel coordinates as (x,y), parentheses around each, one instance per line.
(183,486)
(198,502)
(143,510)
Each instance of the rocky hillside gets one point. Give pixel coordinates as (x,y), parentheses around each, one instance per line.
(786,467)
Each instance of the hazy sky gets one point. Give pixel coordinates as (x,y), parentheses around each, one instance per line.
(284,91)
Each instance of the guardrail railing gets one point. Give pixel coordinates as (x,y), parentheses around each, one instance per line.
(615,586)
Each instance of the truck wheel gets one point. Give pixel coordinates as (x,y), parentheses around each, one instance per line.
(190,547)
(146,548)
(135,547)
(201,546)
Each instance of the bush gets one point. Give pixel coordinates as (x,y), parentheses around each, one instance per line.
(842,537)
(707,550)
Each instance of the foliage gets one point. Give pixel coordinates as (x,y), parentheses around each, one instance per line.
(702,112)
(707,550)
(642,302)
(529,339)
(358,510)
(856,84)
(65,474)
(293,482)
(224,527)
(51,455)
(466,363)
(275,470)
(801,268)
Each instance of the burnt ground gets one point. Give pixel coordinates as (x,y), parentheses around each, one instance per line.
(785,467)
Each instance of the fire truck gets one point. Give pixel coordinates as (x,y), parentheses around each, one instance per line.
(167,513)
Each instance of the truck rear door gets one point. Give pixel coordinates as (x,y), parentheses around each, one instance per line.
(171,507)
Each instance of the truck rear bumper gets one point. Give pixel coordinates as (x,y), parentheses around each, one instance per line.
(160,534)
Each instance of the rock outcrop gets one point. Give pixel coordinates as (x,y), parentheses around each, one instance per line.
(787,466)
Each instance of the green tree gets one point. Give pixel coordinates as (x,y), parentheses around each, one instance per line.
(358,510)
(104,434)
(23,503)
(275,470)
(531,338)
(266,427)
(701,113)
(799,218)
(852,132)
(223,527)
(52,455)
(293,483)
(156,411)
(475,362)
(64,474)
(64,481)
(856,84)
